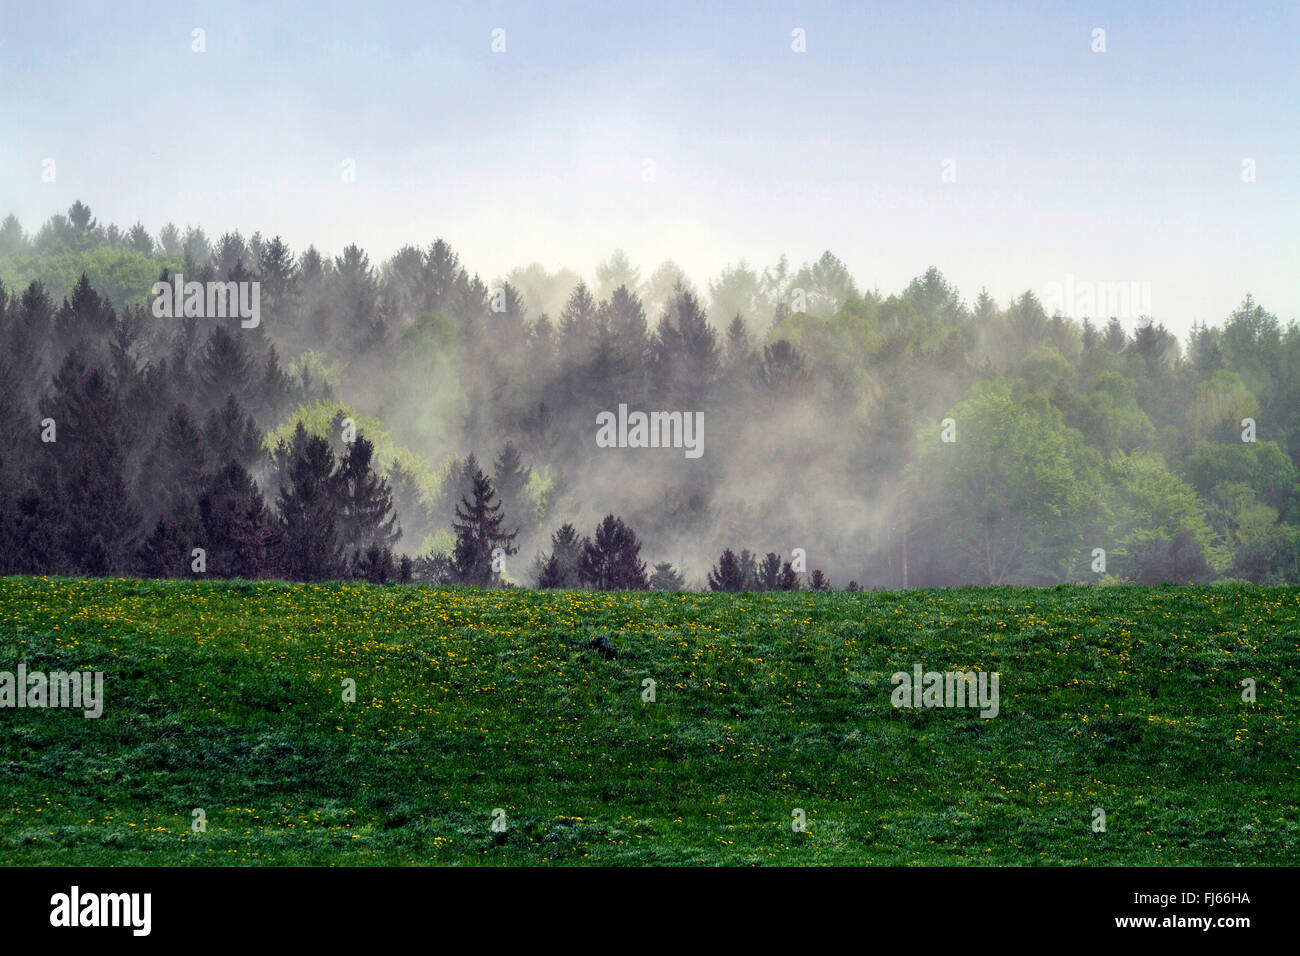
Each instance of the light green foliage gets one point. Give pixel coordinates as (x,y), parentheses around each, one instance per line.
(1223,400)
(1262,466)
(321,418)
(843,345)
(1047,372)
(121,275)
(826,284)
(320,368)
(1147,503)
(428,372)
(1111,418)
(1017,489)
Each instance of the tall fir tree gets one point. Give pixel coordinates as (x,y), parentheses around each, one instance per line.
(98,516)
(611,561)
(479,534)
(312,548)
(363,501)
(561,569)
(238,532)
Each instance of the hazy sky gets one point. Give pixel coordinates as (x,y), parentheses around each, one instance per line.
(1119,166)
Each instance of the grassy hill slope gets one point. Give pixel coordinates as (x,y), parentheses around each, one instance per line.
(228,697)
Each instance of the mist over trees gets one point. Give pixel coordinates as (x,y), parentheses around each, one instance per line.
(407,419)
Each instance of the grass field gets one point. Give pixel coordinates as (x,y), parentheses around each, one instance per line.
(228,697)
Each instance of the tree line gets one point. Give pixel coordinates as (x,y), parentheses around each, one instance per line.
(1079,451)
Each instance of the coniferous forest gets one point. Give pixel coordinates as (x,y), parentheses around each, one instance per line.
(411,420)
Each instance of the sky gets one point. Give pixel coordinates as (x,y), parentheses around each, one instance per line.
(690,131)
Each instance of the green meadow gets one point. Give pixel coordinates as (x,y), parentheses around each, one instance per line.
(531,709)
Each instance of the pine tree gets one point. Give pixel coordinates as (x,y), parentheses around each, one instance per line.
(441,269)
(31,347)
(279,276)
(231,252)
(237,531)
(169,240)
(225,367)
(363,501)
(686,351)
(625,319)
(578,322)
(611,561)
(510,478)
(98,517)
(197,249)
(312,549)
(478,535)
(174,467)
(408,503)
(728,575)
(550,575)
(165,552)
(748,571)
(789,580)
(739,349)
(85,320)
(666,578)
(232,435)
(769,572)
(140,240)
(375,564)
(782,370)
(12,237)
(561,569)
(457,485)
(80,217)
(36,531)
(356,290)
(275,392)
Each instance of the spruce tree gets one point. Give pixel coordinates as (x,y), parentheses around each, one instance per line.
(99,519)
(748,571)
(728,575)
(363,501)
(561,569)
(312,549)
(666,578)
(175,466)
(478,535)
(511,477)
(232,435)
(611,561)
(225,367)
(408,503)
(165,552)
(236,529)
(769,572)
